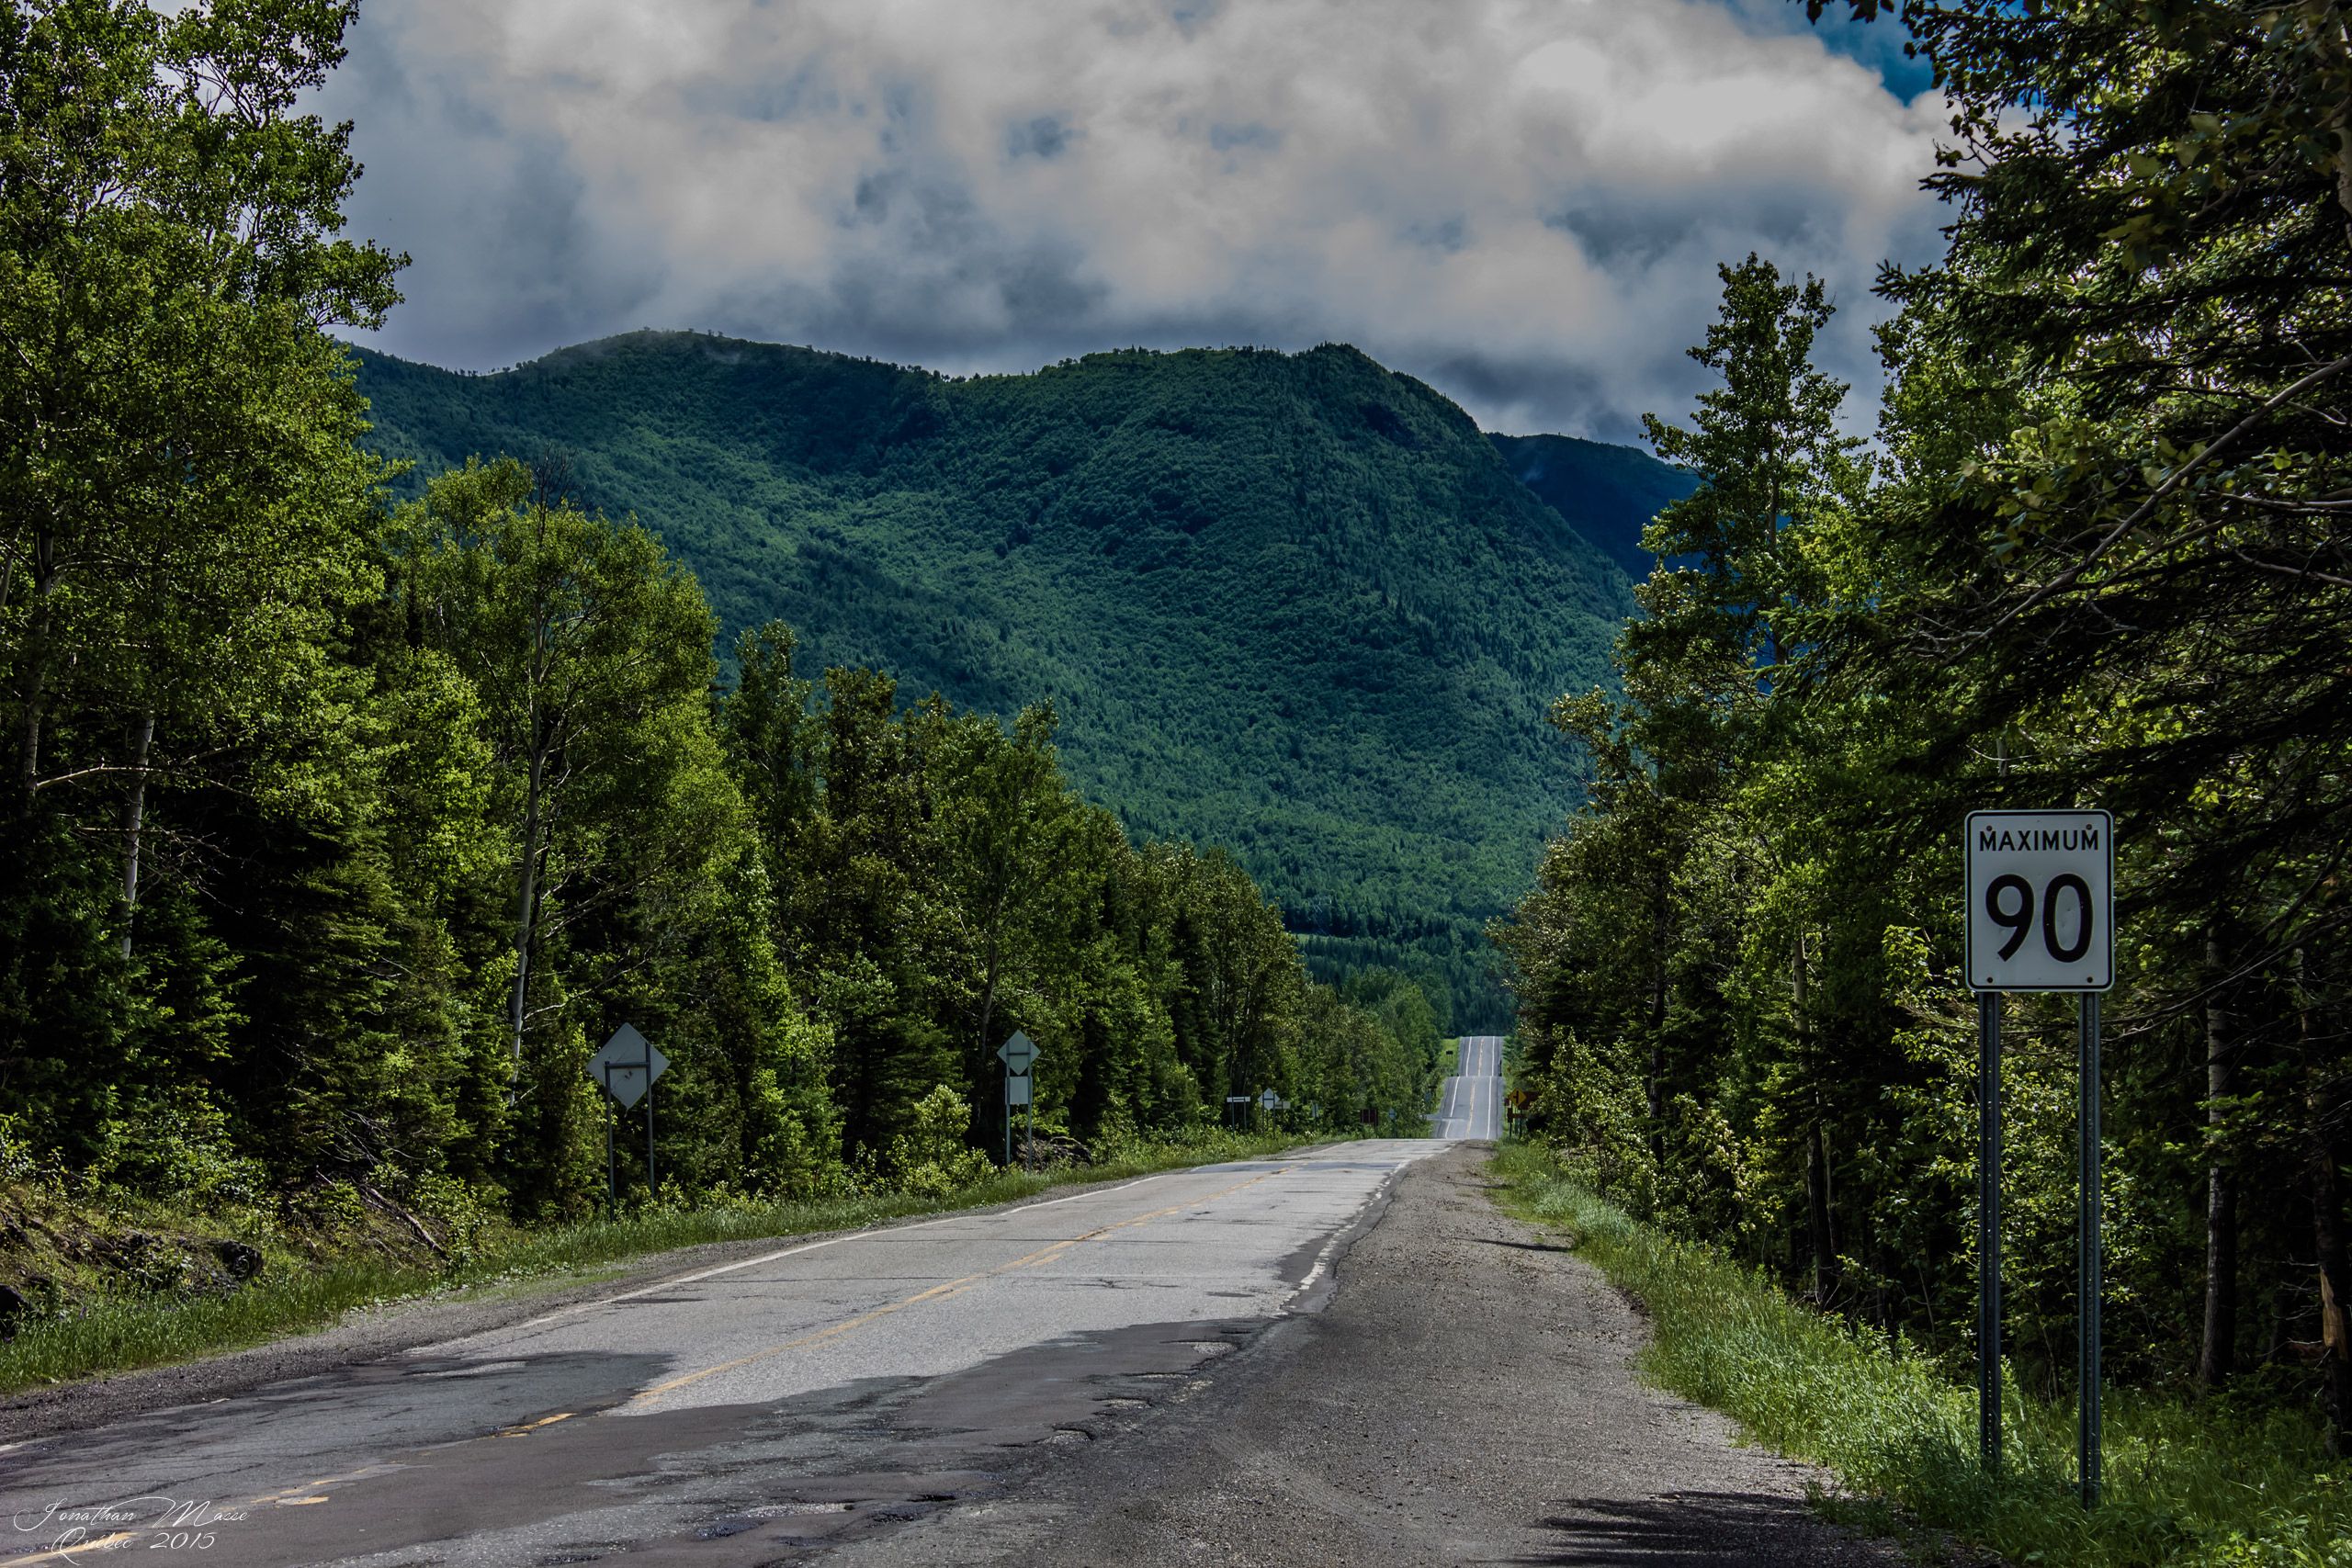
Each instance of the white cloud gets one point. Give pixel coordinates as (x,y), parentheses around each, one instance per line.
(1522,201)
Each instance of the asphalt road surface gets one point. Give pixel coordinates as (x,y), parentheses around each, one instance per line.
(1259,1363)
(680,1410)
(1471,1106)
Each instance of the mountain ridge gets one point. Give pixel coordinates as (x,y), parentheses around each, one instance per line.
(1292,604)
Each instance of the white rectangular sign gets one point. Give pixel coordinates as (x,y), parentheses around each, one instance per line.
(2040,901)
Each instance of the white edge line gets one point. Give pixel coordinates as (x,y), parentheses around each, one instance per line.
(1323,1258)
(833,1241)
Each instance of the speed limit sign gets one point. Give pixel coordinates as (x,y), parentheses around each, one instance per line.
(2041,901)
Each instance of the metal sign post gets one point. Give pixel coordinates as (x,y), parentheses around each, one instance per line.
(1988,1228)
(2041,917)
(2088,1281)
(627,1066)
(1019,1054)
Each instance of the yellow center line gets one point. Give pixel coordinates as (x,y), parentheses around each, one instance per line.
(312,1491)
(953,1287)
(68,1553)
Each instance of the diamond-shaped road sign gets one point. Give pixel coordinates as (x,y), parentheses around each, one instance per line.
(628,1065)
(1017,1053)
(1269,1099)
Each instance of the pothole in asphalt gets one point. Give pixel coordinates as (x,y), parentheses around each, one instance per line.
(787,1510)
(485,1367)
(1121,1401)
(1064,1435)
(1210,1346)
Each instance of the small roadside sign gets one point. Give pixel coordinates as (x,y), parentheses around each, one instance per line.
(1017,1053)
(628,1065)
(1269,1100)
(2040,901)
(1017,1090)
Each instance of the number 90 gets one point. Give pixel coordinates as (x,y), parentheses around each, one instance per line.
(2009,900)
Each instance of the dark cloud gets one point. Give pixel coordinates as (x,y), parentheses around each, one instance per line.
(1523,204)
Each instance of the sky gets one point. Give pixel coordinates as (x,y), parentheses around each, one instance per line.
(1521,202)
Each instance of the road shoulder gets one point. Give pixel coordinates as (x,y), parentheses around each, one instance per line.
(1467,1394)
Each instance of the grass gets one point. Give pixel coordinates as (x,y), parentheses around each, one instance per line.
(2183,1485)
(118,1333)
(1449,1061)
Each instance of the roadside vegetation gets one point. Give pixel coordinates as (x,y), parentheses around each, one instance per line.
(338,833)
(135,1282)
(2099,557)
(2223,1484)
(1325,662)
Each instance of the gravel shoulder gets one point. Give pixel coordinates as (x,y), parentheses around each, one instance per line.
(1465,1394)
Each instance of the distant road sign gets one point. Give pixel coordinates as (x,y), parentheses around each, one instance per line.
(2040,901)
(1269,1099)
(1017,1053)
(628,1065)
(1017,1089)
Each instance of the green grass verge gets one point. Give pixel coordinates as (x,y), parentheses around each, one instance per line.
(120,1333)
(1448,1060)
(2183,1485)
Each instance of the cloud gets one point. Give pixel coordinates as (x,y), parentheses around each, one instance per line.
(1521,201)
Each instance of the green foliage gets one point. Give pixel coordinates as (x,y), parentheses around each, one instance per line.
(1292,604)
(1898,1427)
(930,1159)
(1607,495)
(2099,561)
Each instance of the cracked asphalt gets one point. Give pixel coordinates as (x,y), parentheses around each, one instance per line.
(1346,1355)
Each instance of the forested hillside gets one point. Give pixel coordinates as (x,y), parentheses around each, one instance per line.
(2101,560)
(1290,603)
(340,833)
(1607,495)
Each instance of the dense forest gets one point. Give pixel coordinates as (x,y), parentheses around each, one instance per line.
(342,826)
(2097,557)
(1294,605)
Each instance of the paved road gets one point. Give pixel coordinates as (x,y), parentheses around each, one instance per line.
(1471,1106)
(1466,1396)
(818,1389)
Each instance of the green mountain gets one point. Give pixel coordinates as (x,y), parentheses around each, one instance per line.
(1607,495)
(1294,605)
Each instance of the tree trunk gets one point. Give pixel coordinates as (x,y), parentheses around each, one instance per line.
(1661,931)
(2335,1274)
(2218,1358)
(1816,1164)
(1818,1215)
(528,905)
(987,1017)
(35,692)
(2324,1104)
(134,815)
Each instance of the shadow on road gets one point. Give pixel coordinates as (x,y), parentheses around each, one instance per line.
(1525,1246)
(1684,1528)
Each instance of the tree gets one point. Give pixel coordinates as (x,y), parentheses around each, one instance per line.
(590,652)
(2138,567)
(183,515)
